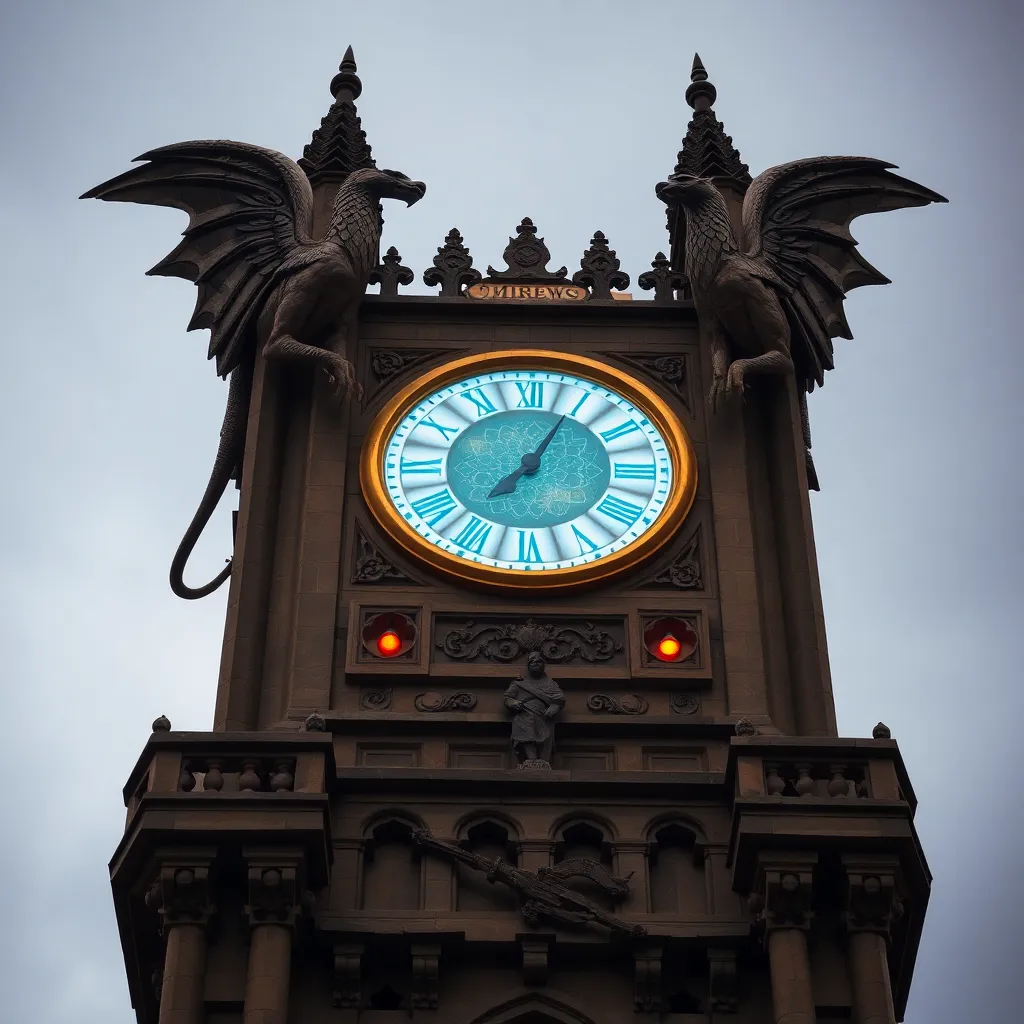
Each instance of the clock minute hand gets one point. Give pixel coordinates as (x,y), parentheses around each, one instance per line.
(528,465)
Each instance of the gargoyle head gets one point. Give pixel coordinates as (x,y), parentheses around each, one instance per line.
(383,184)
(685,190)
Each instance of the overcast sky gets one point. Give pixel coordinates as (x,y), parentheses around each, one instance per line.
(569,113)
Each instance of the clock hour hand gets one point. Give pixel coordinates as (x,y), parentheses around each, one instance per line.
(528,465)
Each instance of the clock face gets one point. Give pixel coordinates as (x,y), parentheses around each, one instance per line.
(521,467)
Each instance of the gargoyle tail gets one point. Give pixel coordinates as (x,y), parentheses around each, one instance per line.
(226,466)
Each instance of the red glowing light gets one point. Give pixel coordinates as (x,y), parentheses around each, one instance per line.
(669,647)
(389,643)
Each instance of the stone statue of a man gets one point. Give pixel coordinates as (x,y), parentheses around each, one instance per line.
(534,702)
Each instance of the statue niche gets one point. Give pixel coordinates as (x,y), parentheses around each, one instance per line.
(676,873)
(474,891)
(391,868)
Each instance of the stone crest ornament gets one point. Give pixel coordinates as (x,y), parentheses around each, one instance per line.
(668,284)
(453,266)
(535,700)
(372,566)
(545,893)
(527,258)
(375,700)
(682,573)
(263,278)
(668,370)
(684,704)
(510,641)
(599,269)
(434,702)
(606,704)
(390,273)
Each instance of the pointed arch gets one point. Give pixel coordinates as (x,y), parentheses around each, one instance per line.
(533,1008)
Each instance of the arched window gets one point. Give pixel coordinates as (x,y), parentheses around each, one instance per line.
(490,840)
(586,841)
(677,875)
(391,868)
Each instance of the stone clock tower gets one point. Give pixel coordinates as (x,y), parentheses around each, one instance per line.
(524,710)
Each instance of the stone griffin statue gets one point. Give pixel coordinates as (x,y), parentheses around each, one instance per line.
(546,892)
(535,702)
(260,273)
(772,299)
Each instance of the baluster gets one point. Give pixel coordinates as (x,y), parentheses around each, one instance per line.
(838,785)
(804,785)
(213,780)
(283,779)
(249,780)
(774,782)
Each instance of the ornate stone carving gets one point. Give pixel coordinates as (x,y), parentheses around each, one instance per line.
(527,258)
(347,979)
(881,732)
(545,893)
(684,703)
(183,892)
(670,371)
(535,701)
(161,724)
(535,957)
(684,572)
(423,993)
(315,723)
(606,704)
(599,269)
(433,702)
(872,903)
(745,727)
(669,285)
(722,983)
(375,700)
(453,266)
(783,899)
(388,363)
(372,566)
(510,641)
(390,273)
(647,991)
(273,893)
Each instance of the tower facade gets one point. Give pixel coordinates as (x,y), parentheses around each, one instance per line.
(524,708)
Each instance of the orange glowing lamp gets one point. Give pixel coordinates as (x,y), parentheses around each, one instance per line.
(389,643)
(669,647)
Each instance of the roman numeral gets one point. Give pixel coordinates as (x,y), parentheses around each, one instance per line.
(579,405)
(445,431)
(528,549)
(582,539)
(624,511)
(620,431)
(436,505)
(634,471)
(483,404)
(474,535)
(427,466)
(531,396)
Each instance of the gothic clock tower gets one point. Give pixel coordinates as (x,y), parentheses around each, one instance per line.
(524,710)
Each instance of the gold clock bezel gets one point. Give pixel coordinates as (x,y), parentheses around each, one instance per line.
(684,464)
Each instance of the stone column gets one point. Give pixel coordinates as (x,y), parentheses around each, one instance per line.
(784,900)
(871,907)
(182,892)
(274,892)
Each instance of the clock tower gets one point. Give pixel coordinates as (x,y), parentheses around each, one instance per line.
(524,710)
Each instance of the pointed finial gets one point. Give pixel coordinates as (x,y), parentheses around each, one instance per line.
(700,93)
(345,85)
(882,732)
(162,724)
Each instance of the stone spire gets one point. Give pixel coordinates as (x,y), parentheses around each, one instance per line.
(339,145)
(707,151)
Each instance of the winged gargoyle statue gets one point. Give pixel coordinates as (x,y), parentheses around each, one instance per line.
(260,273)
(772,300)
(546,892)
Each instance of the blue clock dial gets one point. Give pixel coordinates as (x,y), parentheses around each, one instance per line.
(528,470)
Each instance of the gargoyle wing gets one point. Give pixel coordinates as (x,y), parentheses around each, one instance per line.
(796,221)
(249,210)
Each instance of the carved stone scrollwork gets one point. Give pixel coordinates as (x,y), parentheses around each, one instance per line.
(682,573)
(669,285)
(647,997)
(670,371)
(784,898)
(605,703)
(872,903)
(511,641)
(599,269)
(388,363)
(274,896)
(375,700)
(684,703)
(453,266)
(527,258)
(347,980)
(434,702)
(423,993)
(183,892)
(372,566)
(390,273)
(535,957)
(722,983)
